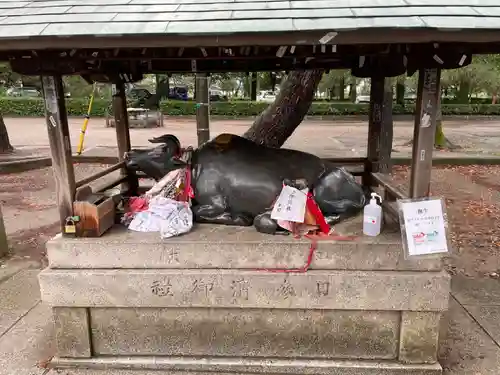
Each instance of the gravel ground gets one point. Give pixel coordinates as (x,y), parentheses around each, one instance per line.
(29,209)
(472,196)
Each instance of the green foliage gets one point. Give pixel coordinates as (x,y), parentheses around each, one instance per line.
(32,107)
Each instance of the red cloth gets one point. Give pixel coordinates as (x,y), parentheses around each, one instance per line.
(313,208)
(137,204)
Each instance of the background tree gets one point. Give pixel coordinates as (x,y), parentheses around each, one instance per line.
(278,121)
(5,146)
(333,83)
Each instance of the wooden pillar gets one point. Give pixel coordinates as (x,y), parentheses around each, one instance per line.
(202,108)
(60,145)
(380,129)
(123,132)
(424,131)
(374,128)
(4,244)
(253,87)
(387,131)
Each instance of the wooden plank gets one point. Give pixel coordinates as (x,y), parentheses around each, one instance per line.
(60,145)
(424,131)
(100,174)
(386,182)
(123,132)
(202,108)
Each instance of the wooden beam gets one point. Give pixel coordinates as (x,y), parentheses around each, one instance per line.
(123,132)
(60,145)
(100,174)
(288,38)
(374,128)
(425,128)
(387,184)
(202,108)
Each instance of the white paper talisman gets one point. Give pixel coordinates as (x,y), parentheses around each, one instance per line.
(424,227)
(290,205)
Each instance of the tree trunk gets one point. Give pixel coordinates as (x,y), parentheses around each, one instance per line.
(352,90)
(273,79)
(253,88)
(162,91)
(400,93)
(342,89)
(440,140)
(5,146)
(463,93)
(273,126)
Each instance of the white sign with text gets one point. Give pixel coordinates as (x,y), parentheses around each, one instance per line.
(424,226)
(290,205)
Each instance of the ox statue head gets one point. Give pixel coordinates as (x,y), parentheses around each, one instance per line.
(156,162)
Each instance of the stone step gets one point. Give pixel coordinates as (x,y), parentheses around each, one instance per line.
(217,246)
(341,290)
(18,295)
(211,365)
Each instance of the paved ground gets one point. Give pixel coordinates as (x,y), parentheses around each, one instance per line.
(472,346)
(324,138)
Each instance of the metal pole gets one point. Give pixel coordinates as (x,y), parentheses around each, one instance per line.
(424,132)
(85,122)
(202,108)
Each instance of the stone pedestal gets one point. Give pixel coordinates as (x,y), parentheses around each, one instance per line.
(203,302)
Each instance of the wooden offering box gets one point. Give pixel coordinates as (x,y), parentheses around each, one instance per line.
(96,213)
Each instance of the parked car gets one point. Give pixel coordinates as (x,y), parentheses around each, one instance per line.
(267,96)
(362,99)
(217,95)
(30,92)
(178,93)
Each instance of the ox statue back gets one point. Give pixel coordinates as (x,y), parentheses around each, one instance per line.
(236,181)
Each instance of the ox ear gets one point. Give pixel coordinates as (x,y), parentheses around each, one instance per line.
(171,142)
(165,138)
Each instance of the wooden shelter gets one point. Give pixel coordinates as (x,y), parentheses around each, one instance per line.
(117,41)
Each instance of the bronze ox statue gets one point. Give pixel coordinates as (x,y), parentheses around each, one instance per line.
(236,181)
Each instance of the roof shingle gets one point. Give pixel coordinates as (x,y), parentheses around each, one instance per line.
(21,19)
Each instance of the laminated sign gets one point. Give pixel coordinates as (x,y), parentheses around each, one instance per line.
(423,226)
(290,205)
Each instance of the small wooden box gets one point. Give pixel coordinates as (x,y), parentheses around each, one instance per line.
(96,213)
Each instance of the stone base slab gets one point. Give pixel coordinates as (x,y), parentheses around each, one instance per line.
(224,247)
(335,290)
(236,366)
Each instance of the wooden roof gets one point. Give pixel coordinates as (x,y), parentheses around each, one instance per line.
(29,22)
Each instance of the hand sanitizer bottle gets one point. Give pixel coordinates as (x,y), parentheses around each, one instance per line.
(372,217)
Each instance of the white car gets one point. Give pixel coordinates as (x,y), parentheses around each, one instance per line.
(363,99)
(268,96)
